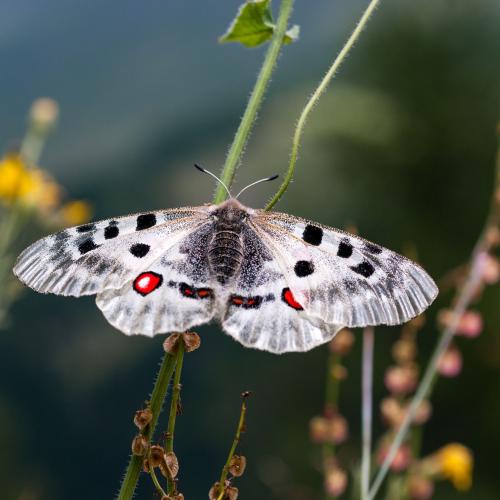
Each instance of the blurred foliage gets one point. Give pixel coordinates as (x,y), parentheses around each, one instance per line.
(402,145)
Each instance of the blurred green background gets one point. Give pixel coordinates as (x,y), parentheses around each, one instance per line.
(402,146)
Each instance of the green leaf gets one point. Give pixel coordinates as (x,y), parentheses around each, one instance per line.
(253,25)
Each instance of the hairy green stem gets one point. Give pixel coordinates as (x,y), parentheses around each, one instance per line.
(465,296)
(255,101)
(156,402)
(174,405)
(236,440)
(297,136)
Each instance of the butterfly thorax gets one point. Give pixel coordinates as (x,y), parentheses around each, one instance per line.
(225,250)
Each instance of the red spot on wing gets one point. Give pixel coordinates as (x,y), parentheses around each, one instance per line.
(237,301)
(147,282)
(203,293)
(289,299)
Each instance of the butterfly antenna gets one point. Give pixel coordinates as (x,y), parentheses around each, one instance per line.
(205,171)
(257,182)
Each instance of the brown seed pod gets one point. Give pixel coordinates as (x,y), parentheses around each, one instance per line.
(142,418)
(237,465)
(170,466)
(156,455)
(191,341)
(139,445)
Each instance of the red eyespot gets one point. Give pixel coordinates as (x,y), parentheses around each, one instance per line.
(237,301)
(289,299)
(203,293)
(147,282)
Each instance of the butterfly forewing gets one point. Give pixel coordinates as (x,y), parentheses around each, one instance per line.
(342,279)
(87,259)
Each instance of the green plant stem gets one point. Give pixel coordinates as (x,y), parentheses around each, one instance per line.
(157,484)
(255,101)
(297,136)
(465,296)
(236,440)
(174,405)
(156,402)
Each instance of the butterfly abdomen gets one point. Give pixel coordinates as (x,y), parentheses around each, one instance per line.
(225,254)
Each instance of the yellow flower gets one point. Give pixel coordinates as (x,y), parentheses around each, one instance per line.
(75,213)
(15,179)
(29,186)
(456,463)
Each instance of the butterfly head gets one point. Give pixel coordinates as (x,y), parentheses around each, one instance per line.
(230,213)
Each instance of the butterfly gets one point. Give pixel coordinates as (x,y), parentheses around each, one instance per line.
(275,282)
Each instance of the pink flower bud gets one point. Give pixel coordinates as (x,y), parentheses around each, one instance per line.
(401,460)
(420,487)
(470,324)
(332,429)
(342,342)
(335,481)
(450,363)
(490,269)
(401,380)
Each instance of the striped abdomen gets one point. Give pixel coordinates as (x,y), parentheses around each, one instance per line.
(225,254)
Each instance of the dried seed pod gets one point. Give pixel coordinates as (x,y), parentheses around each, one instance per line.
(156,455)
(142,418)
(214,492)
(175,496)
(237,465)
(171,342)
(139,445)
(191,341)
(170,468)
(231,493)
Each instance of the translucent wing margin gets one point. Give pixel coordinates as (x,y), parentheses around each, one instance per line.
(88,259)
(342,279)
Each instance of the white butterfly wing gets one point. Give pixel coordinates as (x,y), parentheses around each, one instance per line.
(88,259)
(173,293)
(260,309)
(341,279)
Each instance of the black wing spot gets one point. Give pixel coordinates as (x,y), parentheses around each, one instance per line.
(145,221)
(139,250)
(372,248)
(111,232)
(365,269)
(345,249)
(303,268)
(85,228)
(87,246)
(312,235)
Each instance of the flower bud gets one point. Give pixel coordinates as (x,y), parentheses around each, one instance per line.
(339,372)
(450,363)
(401,380)
(142,418)
(401,460)
(230,492)
(423,413)
(392,412)
(470,324)
(237,465)
(490,270)
(342,342)
(404,351)
(139,445)
(332,429)
(44,113)
(335,481)
(420,487)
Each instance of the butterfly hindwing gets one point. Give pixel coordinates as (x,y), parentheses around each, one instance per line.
(261,311)
(173,293)
(87,259)
(342,279)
